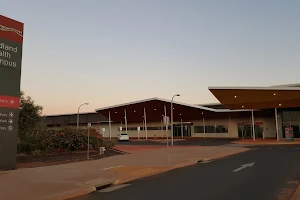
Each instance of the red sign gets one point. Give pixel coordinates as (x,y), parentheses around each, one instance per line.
(11,29)
(9,102)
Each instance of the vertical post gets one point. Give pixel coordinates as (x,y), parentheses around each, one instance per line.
(166,126)
(172,122)
(181,128)
(253,125)
(125,120)
(276,120)
(145,116)
(161,128)
(78,119)
(88,146)
(203,124)
(109,121)
(229,126)
(144,127)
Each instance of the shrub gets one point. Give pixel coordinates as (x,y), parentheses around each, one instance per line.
(63,139)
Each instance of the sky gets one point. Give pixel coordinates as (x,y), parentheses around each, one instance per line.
(107,52)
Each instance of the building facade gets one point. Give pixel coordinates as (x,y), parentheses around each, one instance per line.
(265,111)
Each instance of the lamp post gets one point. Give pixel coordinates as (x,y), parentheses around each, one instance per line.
(78,113)
(176,95)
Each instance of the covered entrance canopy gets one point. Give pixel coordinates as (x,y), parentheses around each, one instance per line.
(257,97)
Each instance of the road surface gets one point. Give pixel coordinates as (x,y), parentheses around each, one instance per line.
(264,173)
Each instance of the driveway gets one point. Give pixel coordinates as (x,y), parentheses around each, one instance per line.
(265,173)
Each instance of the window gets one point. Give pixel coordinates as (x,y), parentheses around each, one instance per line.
(222,129)
(151,128)
(198,129)
(211,129)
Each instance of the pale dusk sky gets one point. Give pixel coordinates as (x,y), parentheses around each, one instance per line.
(111,52)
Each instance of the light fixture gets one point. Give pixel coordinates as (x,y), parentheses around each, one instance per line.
(173,108)
(154,108)
(180,114)
(274,94)
(116,112)
(280,104)
(242,106)
(234,96)
(202,113)
(134,111)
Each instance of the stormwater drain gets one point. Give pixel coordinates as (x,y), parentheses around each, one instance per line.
(113,188)
(204,161)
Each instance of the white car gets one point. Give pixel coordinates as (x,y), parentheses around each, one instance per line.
(123,137)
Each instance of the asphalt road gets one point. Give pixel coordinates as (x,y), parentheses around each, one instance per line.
(274,175)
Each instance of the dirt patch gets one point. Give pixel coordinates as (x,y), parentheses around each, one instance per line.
(30,161)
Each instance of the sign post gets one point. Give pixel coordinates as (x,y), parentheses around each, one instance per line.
(88,140)
(11,40)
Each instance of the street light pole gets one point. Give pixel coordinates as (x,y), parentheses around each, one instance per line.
(176,95)
(78,113)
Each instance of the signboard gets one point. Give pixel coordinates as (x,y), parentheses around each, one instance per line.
(289,134)
(138,128)
(11,40)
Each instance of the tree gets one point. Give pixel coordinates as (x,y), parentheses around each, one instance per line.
(30,118)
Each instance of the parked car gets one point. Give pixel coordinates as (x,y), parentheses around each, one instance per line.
(123,137)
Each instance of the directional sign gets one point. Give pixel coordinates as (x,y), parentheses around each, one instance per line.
(11,41)
(244,166)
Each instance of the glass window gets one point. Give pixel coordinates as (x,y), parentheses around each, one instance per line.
(294,116)
(209,129)
(198,129)
(222,129)
(285,116)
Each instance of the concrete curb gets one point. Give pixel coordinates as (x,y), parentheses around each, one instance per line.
(296,195)
(84,189)
(72,193)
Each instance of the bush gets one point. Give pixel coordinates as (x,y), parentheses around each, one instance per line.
(63,139)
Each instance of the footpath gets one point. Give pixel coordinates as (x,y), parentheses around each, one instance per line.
(74,179)
(267,142)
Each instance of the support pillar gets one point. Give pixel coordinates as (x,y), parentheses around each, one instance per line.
(125,120)
(145,118)
(276,120)
(253,125)
(109,121)
(203,124)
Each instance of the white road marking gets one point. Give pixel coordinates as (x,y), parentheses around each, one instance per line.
(113,188)
(111,167)
(244,166)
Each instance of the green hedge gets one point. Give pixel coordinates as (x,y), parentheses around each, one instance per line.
(63,139)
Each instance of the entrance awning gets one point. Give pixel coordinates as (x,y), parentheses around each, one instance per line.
(257,97)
